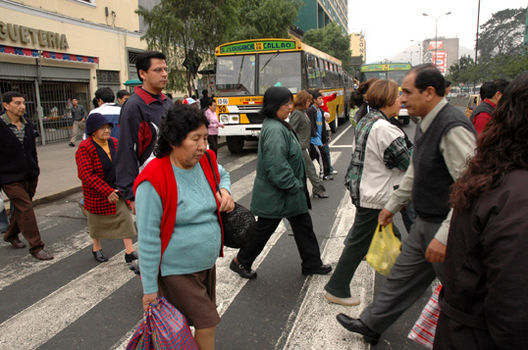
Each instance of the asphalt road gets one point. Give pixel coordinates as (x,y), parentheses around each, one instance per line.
(72,302)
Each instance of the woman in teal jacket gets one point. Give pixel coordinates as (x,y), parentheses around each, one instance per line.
(280,189)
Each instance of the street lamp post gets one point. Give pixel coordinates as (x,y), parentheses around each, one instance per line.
(436,18)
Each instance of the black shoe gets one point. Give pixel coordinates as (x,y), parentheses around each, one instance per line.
(355,325)
(71,144)
(321,270)
(242,271)
(98,255)
(328,177)
(320,195)
(131,257)
(16,243)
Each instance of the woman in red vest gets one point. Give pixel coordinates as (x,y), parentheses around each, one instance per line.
(178,218)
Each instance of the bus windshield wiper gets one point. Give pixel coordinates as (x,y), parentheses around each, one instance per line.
(265,64)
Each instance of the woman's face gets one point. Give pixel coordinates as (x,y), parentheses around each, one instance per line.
(212,107)
(284,110)
(308,103)
(394,109)
(103,133)
(191,149)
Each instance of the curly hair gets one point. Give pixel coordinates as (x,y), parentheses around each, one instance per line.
(179,121)
(501,148)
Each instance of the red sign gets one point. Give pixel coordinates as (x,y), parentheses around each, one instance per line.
(440,60)
(436,45)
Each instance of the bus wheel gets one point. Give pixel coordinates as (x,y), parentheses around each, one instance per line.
(235,144)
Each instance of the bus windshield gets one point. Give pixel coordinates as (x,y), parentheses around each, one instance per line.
(235,75)
(397,75)
(280,69)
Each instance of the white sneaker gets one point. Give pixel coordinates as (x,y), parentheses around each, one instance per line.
(351,301)
(333,172)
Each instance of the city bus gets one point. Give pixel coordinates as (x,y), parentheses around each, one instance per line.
(387,70)
(246,69)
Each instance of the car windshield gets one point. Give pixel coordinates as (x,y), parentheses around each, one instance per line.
(280,69)
(235,75)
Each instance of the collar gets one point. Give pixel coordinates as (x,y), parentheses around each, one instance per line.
(488,101)
(6,120)
(428,119)
(146,96)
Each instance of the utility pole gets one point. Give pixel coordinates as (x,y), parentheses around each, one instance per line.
(476,41)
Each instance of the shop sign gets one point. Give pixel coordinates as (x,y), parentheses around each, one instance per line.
(32,36)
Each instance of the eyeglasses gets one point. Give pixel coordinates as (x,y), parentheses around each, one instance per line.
(106,128)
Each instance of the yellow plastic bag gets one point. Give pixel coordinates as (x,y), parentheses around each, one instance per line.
(383,250)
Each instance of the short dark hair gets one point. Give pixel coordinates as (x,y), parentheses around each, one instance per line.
(274,98)
(105,93)
(8,96)
(487,89)
(428,75)
(315,93)
(501,85)
(447,83)
(210,102)
(179,121)
(122,93)
(143,60)
(205,92)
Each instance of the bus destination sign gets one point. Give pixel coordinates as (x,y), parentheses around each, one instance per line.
(262,46)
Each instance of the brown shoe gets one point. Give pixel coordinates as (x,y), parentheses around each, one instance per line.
(42,255)
(17,243)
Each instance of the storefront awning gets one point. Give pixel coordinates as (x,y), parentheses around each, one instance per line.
(47,54)
(133,82)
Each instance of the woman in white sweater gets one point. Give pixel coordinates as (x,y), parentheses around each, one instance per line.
(380,158)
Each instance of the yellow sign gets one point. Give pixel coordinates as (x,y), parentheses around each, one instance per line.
(32,36)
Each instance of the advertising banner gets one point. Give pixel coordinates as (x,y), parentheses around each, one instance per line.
(440,60)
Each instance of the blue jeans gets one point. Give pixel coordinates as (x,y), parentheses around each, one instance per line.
(4,223)
(327,151)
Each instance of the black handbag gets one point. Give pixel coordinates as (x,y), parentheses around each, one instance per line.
(236,223)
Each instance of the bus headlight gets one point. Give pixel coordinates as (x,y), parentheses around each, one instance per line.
(229,118)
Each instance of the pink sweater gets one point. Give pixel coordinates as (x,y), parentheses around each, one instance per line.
(214,123)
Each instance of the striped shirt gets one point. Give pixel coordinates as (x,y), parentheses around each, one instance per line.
(18,133)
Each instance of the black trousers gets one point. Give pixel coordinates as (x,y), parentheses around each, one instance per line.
(318,152)
(302,232)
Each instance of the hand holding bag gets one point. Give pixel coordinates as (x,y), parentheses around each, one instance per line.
(237,222)
(163,328)
(384,249)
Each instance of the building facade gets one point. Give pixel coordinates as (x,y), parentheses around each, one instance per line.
(316,14)
(358,46)
(56,50)
(442,52)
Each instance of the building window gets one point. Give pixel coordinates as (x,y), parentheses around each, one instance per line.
(88,2)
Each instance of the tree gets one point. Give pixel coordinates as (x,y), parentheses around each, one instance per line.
(188,31)
(265,19)
(332,41)
(464,71)
(503,33)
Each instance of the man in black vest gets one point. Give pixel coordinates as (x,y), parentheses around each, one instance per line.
(19,173)
(445,139)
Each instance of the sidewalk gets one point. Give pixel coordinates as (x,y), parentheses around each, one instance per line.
(58,172)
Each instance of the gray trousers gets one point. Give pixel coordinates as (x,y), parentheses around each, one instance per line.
(410,276)
(311,173)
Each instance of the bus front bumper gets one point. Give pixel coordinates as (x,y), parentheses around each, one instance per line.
(240,130)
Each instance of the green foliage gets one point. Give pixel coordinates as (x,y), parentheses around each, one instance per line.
(503,33)
(502,53)
(185,29)
(333,41)
(265,19)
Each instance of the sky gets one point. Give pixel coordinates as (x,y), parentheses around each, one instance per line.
(389,26)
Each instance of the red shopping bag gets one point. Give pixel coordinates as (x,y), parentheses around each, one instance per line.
(423,331)
(163,328)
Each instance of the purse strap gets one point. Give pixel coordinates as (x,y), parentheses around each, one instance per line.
(212,170)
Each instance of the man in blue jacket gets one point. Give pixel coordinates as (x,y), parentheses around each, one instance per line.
(139,121)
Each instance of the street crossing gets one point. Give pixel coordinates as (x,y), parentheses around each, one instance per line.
(68,307)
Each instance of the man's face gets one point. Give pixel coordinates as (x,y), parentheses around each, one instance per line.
(122,99)
(155,78)
(17,107)
(414,100)
(319,101)
(75,102)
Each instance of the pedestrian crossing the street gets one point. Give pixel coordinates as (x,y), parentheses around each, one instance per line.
(73,303)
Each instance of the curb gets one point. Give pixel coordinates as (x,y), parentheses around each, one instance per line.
(48,197)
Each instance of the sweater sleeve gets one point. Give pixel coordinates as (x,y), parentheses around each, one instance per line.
(127,162)
(85,172)
(148,219)
(225,178)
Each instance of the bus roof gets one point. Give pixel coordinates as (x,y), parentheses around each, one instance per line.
(243,47)
(388,66)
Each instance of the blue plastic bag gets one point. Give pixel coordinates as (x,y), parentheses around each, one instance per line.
(163,328)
